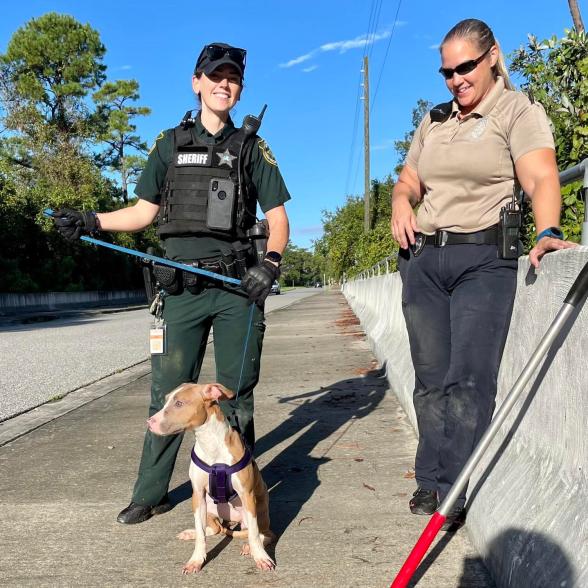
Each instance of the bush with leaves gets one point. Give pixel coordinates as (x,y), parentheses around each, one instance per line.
(555,73)
(48,147)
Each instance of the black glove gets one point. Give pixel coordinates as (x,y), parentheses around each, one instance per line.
(258,281)
(72,224)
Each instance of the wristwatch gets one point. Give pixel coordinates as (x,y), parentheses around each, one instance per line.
(554,232)
(274,256)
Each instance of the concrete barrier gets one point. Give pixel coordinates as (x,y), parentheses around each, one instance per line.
(527,498)
(11,303)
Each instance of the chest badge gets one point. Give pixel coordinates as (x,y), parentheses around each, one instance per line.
(479,128)
(225,158)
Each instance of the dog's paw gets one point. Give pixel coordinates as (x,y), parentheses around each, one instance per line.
(192,567)
(187,535)
(265,563)
(246,550)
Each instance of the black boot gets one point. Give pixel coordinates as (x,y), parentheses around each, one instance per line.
(455,519)
(137,513)
(423,502)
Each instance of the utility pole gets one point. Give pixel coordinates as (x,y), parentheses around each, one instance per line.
(366,144)
(576,16)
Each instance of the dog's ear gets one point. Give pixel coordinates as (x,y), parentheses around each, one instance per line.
(217,392)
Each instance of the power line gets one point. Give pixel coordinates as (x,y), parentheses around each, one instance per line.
(369,27)
(353,136)
(385,56)
(375,28)
(373,20)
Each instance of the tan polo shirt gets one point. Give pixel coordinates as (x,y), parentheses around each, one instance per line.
(467,165)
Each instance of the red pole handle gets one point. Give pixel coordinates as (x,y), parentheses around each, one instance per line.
(418,552)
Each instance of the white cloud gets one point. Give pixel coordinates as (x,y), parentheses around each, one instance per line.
(341,46)
(298,60)
(309,69)
(436,46)
(360,41)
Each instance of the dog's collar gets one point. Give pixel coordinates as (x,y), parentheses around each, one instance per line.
(219,476)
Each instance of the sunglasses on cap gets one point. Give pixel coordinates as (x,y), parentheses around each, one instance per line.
(463,68)
(215,52)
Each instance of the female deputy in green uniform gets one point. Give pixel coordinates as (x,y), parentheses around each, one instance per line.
(458,257)
(192,183)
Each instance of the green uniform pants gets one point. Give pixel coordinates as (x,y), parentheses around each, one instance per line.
(189,318)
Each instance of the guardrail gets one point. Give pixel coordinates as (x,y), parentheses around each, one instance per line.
(577,172)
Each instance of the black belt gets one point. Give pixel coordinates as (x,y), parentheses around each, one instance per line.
(441,238)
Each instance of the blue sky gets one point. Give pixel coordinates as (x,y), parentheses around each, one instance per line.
(304,60)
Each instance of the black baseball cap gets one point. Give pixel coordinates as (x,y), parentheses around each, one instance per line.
(214,55)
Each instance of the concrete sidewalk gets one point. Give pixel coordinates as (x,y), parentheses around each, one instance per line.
(333,445)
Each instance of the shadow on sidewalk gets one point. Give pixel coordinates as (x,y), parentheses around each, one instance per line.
(292,475)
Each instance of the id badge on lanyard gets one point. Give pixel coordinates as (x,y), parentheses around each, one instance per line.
(157,339)
(157,331)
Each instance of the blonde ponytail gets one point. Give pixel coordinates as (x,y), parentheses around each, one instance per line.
(500,69)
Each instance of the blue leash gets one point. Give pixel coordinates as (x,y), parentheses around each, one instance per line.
(245,349)
(188,268)
(162,260)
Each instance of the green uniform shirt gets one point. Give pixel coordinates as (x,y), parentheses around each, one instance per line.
(261,166)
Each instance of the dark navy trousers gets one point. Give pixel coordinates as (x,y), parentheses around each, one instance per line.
(457,302)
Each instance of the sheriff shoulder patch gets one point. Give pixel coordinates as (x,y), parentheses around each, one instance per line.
(266,152)
(160,136)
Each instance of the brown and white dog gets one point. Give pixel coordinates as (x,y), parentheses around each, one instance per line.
(195,406)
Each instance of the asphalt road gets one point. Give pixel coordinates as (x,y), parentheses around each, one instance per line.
(42,361)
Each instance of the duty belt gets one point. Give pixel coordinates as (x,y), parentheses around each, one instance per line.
(441,238)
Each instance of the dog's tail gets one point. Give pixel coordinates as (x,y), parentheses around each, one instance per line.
(236,534)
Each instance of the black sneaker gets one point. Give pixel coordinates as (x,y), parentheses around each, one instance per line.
(455,519)
(423,502)
(138,513)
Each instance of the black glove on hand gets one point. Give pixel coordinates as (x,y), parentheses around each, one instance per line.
(72,224)
(258,281)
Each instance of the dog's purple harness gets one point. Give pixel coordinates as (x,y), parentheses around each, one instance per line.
(219,476)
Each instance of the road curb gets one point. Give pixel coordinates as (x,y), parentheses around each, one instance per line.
(17,426)
(20,425)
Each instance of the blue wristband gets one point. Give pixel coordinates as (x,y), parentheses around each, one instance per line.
(554,232)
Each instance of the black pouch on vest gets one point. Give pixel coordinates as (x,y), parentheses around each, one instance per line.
(192,282)
(149,278)
(221,204)
(245,257)
(169,278)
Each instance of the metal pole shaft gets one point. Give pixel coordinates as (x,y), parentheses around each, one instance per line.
(505,408)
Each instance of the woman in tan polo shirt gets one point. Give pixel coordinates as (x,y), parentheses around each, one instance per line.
(466,159)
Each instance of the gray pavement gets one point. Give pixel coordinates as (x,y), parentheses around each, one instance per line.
(333,445)
(64,350)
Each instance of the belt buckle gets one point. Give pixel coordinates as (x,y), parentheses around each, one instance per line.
(441,238)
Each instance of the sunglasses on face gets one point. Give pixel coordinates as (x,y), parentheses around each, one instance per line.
(214,52)
(463,68)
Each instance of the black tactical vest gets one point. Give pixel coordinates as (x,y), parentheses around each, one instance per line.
(195,172)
